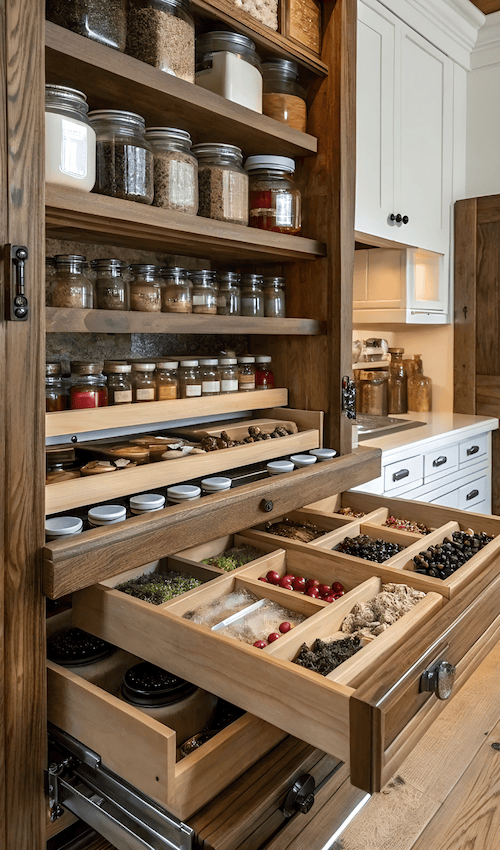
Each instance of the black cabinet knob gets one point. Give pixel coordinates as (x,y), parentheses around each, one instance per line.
(405,219)
(398,218)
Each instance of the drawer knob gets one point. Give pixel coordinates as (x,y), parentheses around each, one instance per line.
(403,473)
(439,679)
(472,451)
(266,505)
(472,495)
(300,797)
(439,460)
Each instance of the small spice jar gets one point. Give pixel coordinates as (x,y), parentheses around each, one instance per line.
(161,33)
(210,376)
(274,297)
(190,379)
(246,373)
(275,201)
(283,98)
(176,291)
(227,64)
(143,382)
(71,285)
(124,159)
(175,170)
(111,286)
(278,467)
(229,295)
(373,391)
(228,374)
(302,461)
(222,183)
(167,381)
(204,291)
(252,296)
(62,526)
(397,384)
(102,22)
(88,385)
(146,502)
(106,514)
(264,375)
(215,485)
(56,389)
(145,288)
(70,139)
(323,454)
(119,383)
(182,493)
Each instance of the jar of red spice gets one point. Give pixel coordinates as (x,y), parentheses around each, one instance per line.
(264,376)
(275,201)
(88,385)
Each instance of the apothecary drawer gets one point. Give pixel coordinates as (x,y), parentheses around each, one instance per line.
(440,461)
(473,448)
(403,473)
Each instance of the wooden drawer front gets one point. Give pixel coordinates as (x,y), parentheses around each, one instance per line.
(449,500)
(440,461)
(401,474)
(471,494)
(473,448)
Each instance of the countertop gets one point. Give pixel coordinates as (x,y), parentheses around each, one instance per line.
(438,425)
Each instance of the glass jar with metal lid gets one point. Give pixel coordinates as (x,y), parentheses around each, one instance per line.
(70,139)
(71,285)
(176,291)
(275,201)
(228,369)
(143,382)
(227,64)
(274,297)
(264,375)
(167,380)
(102,22)
(372,391)
(88,385)
(190,379)
(252,296)
(161,33)
(145,288)
(246,373)
(222,183)
(56,389)
(229,295)
(175,169)
(283,98)
(210,376)
(124,159)
(119,383)
(204,291)
(111,286)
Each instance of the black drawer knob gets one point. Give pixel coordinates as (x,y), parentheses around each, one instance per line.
(266,505)
(471,495)
(439,679)
(398,218)
(300,797)
(405,219)
(439,460)
(403,473)
(472,451)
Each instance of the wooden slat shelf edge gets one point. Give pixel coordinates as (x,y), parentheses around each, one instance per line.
(111,79)
(72,564)
(97,218)
(63,320)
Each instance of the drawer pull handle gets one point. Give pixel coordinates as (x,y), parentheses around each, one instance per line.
(439,460)
(300,797)
(266,505)
(439,679)
(471,495)
(472,451)
(403,473)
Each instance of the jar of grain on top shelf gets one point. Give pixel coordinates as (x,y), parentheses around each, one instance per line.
(145,288)
(124,159)
(102,22)
(161,33)
(222,183)
(71,285)
(283,98)
(175,170)
(70,140)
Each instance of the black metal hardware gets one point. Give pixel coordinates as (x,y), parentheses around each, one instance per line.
(403,473)
(348,397)
(16,300)
(439,679)
(266,505)
(471,495)
(439,460)
(405,219)
(472,451)
(74,438)
(397,218)
(300,797)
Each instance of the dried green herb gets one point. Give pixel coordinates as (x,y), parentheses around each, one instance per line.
(159,587)
(232,558)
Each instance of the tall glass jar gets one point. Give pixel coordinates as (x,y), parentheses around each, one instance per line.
(372,391)
(119,383)
(229,297)
(274,297)
(228,369)
(246,374)
(88,385)
(69,139)
(222,183)
(175,170)
(252,297)
(56,389)
(419,389)
(102,22)
(167,381)
(190,379)
(204,291)
(161,33)
(71,285)
(124,159)
(145,288)
(275,201)
(111,286)
(396,387)
(264,375)
(283,98)
(176,291)
(143,382)
(210,376)
(228,65)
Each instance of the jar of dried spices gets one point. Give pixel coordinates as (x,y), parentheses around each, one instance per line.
(102,22)
(264,375)
(246,373)
(124,159)
(229,296)
(56,389)
(204,291)
(167,380)
(161,33)
(274,297)
(119,383)
(190,379)
(176,291)
(372,391)
(88,385)
(228,369)
(252,297)
(143,382)
(175,169)
(227,64)
(210,376)
(69,139)
(222,183)
(145,288)
(72,286)
(111,286)
(283,98)
(275,201)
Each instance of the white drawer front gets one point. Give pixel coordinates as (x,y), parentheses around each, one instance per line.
(440,462)
(471,494)
(473,448)
(448,500)
(404,472)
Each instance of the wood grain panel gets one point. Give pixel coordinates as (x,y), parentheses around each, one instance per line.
(487,6)
(488,209)
(4,236)
(465,307)
(487,299)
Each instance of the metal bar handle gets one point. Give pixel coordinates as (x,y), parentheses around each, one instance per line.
(472,451)
(439,460)
(472,495)
(403,473)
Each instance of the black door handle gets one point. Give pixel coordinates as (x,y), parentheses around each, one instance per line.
(472,495)
(472,451)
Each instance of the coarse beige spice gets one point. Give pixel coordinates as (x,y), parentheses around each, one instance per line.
(145,298)
(223,194)
(176,181)
(265,11)
(70,295)
(158,38)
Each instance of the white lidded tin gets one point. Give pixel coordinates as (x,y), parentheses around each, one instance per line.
(303,460)
(324,454)
(106,514)
(146,502)
(62,526)
(277,467)
(215,485)
(182,493)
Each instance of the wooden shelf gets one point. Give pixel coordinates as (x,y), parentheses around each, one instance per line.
(86,217)
(112,80)
(369,365)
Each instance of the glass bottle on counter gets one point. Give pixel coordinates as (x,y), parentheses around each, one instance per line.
(228,368)
(283,98)
(222,183)
(102,22)
(190,379)
(229,295)
(396,386)
(274,297)
(124,159)
(246,373)
(264,376)
(56,389)
(372,391)
(204,291)
(167,381)
(177,291)
(88,385)
(210,376)
(145,288)
(252,297)
(419,389)
(161,33)
(275,200)
(119,383)
(70,140)
(71,286)
(143,382)
(111,286)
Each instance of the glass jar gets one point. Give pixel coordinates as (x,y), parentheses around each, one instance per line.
(161,33)
(145,288)
(71,285)
(102,22)
(246,374)
(204,292)
(119,383)
(229,297)
(124,159)
(70,139)
(176,291)
(283,98)
(175,170)
(419,389)
(190,379)
(167,382)
(143,382)
(228,65)
(252,297)
(396,387)
(111,286)
(56,390)
(210,376)
(264,375)
(88,385)
(222,183)
(275,201)
(228,374)
(274,297)
(372,392)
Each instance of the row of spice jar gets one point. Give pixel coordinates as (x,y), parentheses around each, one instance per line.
(94,384)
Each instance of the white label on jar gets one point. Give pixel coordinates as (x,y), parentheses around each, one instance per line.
(284,216)
(145,395)
(211,386)
(73,148)
(229,386)
(200,299)
(193,389)
(181,183)
(122,396)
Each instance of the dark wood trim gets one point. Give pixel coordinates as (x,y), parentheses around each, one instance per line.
(465,307)
(4,222)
